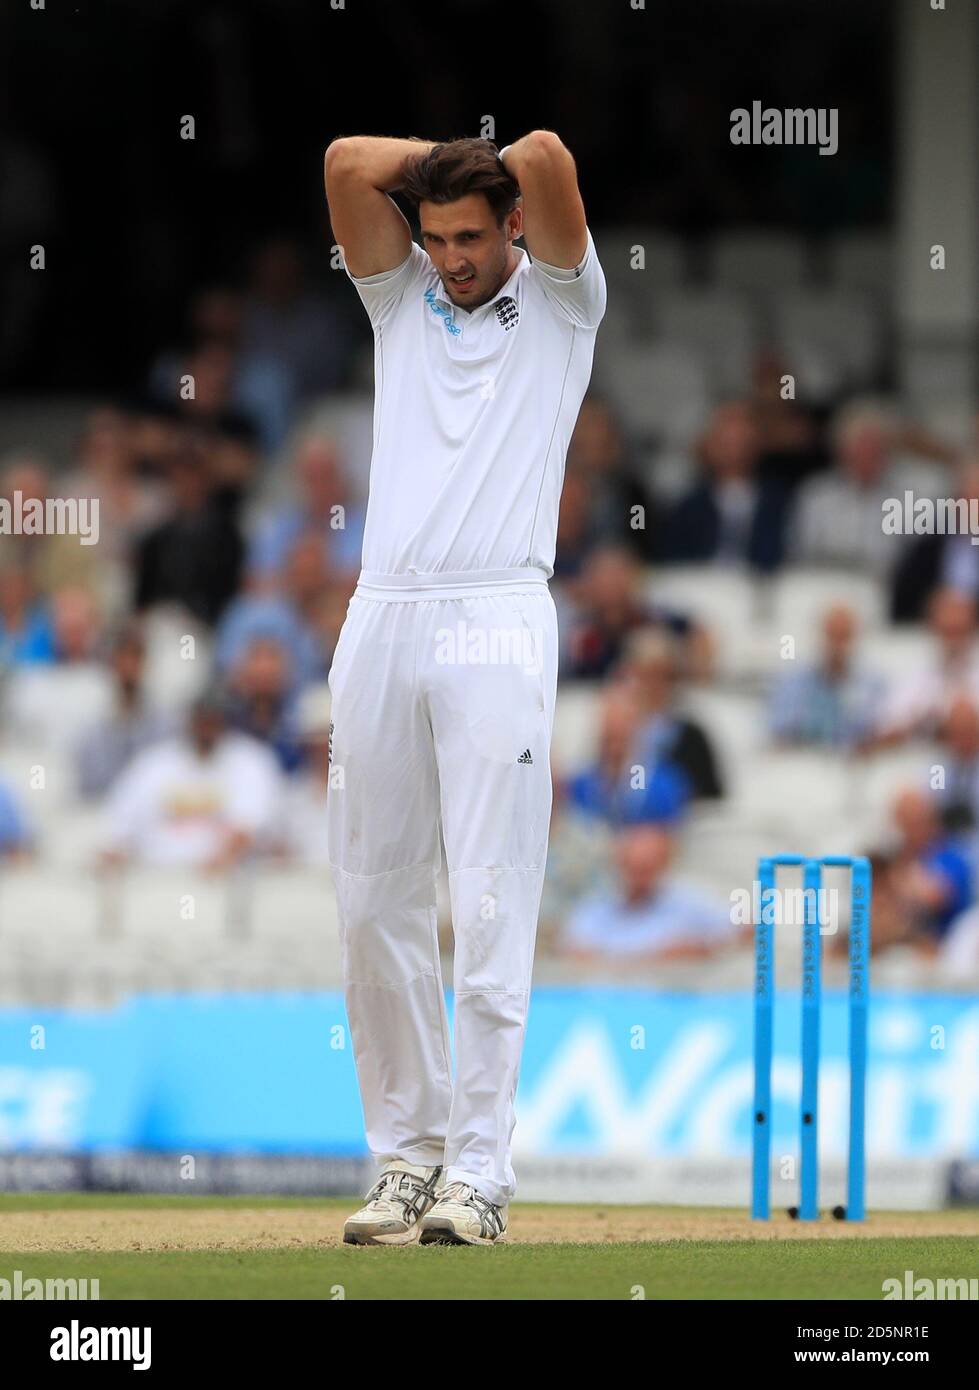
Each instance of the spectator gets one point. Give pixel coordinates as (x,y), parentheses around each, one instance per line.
(924,877)
(839,520)
(287,323)
(789,444)
(324,508)
(646,915)
(51,705)
(204,800)
(27,550)
(958,794)
(833,703)
(598,454)
(608,607)
(223,434)
(618,787)
(573,531)
(261,703)
(26,633)
(210,407)
(106,469)
(52,559)
(919,702)
(16,838)
(194,558)
(133,724)
(730,516)
(578,855)
(938,561)
(258,388)
(292,618)
(664,735)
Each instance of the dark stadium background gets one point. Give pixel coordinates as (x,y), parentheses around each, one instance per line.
(136,216)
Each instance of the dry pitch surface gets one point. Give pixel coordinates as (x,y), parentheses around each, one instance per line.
(257,1248)
(183,1226)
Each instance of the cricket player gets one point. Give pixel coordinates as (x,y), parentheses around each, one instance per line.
(445,674)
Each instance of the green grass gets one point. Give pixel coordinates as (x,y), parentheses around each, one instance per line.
(810,1269)
(677,1269)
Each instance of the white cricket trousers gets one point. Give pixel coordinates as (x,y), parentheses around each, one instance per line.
(443,702)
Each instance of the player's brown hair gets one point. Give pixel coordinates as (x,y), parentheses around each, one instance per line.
(456,168)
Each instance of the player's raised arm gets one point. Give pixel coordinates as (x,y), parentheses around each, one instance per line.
(553,213)
(361,171)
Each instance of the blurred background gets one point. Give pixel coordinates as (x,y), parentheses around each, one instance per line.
(750,665)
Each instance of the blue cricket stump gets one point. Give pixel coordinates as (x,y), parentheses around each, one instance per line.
(859,987)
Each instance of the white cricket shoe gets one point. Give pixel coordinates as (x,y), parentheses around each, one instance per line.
(394,1206)
(463,1216)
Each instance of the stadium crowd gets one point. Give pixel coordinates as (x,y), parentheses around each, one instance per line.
(177,669)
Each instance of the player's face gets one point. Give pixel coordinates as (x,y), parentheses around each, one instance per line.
(471,252)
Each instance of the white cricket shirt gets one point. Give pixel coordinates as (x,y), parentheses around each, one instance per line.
(473,412)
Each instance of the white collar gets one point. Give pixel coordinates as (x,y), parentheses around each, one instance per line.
(504,292)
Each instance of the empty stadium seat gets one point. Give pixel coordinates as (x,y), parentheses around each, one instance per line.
(70,838)
(720,850)
(796,796)
(758,261)
(51,911)
(348,418)
(727,603)
(831,339)
(297,907)
(41,780)
(862,261)
(801,597)
(879,778)
(617,331)
(660,389)
(576,722)
(719,326)
(732,722)
(155,903)
(897,652)
(662,257)
(176,670)
(670,472)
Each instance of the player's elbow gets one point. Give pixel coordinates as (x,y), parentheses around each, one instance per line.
(340,154)
(548,147)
